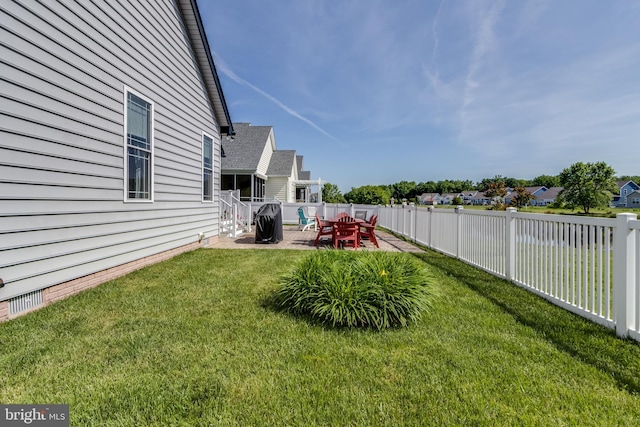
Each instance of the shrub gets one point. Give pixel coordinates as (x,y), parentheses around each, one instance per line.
(357,289)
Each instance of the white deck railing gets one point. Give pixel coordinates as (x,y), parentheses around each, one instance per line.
(590,266)
(235,215)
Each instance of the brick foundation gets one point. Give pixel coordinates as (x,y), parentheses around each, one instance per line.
(75,286)
(4,311)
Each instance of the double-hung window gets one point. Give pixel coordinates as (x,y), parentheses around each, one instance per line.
(139,148)
(207,168)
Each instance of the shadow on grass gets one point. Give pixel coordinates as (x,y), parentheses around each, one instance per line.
(582,339)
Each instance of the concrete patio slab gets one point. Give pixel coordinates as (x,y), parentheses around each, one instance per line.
(296,239)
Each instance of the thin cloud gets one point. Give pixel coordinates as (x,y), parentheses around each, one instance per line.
(233,76)
(485,44)
(434,31)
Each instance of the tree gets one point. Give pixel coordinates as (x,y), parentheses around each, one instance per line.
(426,187)
(521,198)
(634,178)
(496,190)
(331,194)
(369,195)
(546,181)
(404,190)
(587,185)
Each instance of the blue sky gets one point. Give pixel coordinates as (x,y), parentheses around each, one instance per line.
(380,91)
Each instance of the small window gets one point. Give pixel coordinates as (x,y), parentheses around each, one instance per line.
(207,168)
(139,148)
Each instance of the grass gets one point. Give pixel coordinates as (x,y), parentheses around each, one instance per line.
(192,341)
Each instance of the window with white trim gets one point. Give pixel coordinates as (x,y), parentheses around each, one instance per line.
(139,148)
(207,168)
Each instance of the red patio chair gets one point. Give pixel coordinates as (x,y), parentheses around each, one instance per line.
(367,230)
(346,234)
(324,229)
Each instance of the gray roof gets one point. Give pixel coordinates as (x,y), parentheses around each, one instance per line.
(304,175)
(243,152)
(551,193)
(281,163)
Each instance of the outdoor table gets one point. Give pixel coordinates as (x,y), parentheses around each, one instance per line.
(334,221)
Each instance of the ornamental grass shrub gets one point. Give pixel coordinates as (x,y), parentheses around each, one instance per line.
(357,289)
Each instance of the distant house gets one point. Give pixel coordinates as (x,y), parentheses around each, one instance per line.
(282,174)
(303,184)
(548,197)
(254,167)
(633,199)
(625,188)
(431,199)
(479,198)
(447,198)
(111,122)
(536,192)
(467,195)
(247,156)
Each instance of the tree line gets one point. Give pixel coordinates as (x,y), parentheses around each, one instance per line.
(586,186)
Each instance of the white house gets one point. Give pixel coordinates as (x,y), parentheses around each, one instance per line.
(111,119)
(254,167)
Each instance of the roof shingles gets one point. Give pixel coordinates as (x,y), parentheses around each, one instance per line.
(281,163)
(243,152)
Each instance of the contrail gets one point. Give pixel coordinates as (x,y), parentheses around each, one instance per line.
(233,76)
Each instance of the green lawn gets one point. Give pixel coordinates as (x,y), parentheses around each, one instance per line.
(192,341)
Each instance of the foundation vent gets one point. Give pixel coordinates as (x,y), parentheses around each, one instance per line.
(25,302)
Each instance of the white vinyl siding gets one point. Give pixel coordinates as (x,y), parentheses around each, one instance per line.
(276,188)
(265,158)
(63,67)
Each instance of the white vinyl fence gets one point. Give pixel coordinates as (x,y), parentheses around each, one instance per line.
(590,266)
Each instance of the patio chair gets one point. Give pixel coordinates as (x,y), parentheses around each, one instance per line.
(346,234)
(361,215)
(367,231)
(324,229)
(311,211)
(304,221)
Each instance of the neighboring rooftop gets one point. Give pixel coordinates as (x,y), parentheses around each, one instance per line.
(281,163)
(243,151)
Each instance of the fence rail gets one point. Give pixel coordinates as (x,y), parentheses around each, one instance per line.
(590,266)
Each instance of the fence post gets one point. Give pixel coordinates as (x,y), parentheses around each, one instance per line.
(459,211)
(235,220)
(430,241)
(510,244)
(623,274)
(412,219)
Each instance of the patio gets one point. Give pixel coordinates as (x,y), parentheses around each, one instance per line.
(297,239)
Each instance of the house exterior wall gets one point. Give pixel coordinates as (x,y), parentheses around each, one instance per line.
(62,146)
(263,164)
(625,191)
(633,200)
(277,187)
